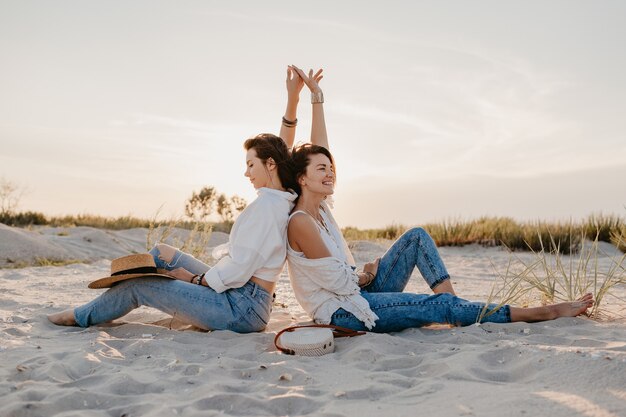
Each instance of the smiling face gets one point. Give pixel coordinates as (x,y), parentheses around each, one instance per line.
(320,175)
(256,170)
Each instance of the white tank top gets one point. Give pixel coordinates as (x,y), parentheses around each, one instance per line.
(335,247)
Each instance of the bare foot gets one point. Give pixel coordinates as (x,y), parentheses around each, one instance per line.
(554,311)
(573,308)
(64,318)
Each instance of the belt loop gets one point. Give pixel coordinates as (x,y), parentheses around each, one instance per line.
(254,289)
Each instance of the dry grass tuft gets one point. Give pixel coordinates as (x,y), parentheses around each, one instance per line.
(195,243)
(504,231)
(55,262)
(551,277)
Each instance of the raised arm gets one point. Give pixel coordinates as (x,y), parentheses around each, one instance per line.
(318,126)
(288,126)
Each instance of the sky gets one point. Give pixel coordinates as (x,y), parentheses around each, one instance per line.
(436,110)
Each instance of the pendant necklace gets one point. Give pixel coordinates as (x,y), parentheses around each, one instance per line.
(320,221)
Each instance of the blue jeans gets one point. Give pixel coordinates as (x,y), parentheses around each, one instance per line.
(243,310)
(398,310)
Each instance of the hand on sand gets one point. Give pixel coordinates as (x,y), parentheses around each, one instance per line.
(312,80)
(64,318)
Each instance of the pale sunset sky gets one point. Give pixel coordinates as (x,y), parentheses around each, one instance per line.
(435,109)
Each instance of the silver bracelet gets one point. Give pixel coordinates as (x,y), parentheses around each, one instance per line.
(317,97)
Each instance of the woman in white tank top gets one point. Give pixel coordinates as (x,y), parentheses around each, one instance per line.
(323,273)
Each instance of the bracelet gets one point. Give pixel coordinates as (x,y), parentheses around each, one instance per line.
(317,97)
(192,278)
(199,279)
(290,123)
(370,278)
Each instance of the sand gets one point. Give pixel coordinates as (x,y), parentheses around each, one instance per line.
(142,365)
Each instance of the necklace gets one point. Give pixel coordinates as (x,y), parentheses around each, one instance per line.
(319,221)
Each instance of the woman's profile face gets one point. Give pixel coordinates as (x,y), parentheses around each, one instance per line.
(320,175)
(256,170)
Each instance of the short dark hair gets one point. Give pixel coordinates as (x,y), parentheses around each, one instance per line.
(301,157)
(266,146)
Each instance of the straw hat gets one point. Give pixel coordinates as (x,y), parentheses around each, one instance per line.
(127,267)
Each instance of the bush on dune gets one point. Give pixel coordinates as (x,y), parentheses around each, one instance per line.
(488,231)
(505,231)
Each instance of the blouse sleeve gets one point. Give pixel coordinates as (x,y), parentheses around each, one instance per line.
(252,244)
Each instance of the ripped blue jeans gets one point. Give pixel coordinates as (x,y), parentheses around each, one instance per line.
(243,310)
(399,310)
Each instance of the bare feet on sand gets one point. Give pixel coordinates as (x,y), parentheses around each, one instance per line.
(64,318)
(573,308)
(554,311)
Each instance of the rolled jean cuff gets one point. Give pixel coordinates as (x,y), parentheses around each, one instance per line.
(81,316)
(439,281)
(507,312)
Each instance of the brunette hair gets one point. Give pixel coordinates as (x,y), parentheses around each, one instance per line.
(269,146)
(301,157)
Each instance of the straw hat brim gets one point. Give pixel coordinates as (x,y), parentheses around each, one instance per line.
(108,282)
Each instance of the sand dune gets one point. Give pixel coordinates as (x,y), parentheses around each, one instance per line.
(25,247)
(141,365)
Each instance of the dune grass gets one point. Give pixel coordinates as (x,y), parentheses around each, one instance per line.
(195,243)
(55,262)
(550,277)
(41,262)
(618,238)
(602,225)
(504,231)
(390,232)
(30,218)
(488,231)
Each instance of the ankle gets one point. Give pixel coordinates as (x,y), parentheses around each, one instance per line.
(63,318)
(552,312)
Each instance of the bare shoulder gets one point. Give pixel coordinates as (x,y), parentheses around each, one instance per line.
(304,236)
(301,226)
(301,222)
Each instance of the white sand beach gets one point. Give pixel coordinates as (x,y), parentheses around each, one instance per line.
(147,364)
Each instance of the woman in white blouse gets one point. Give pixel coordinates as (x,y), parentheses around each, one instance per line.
(322,269)
(237,293)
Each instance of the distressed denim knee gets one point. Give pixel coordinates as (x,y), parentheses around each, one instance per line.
(162,264)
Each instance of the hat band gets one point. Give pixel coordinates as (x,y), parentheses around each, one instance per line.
(140,270)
